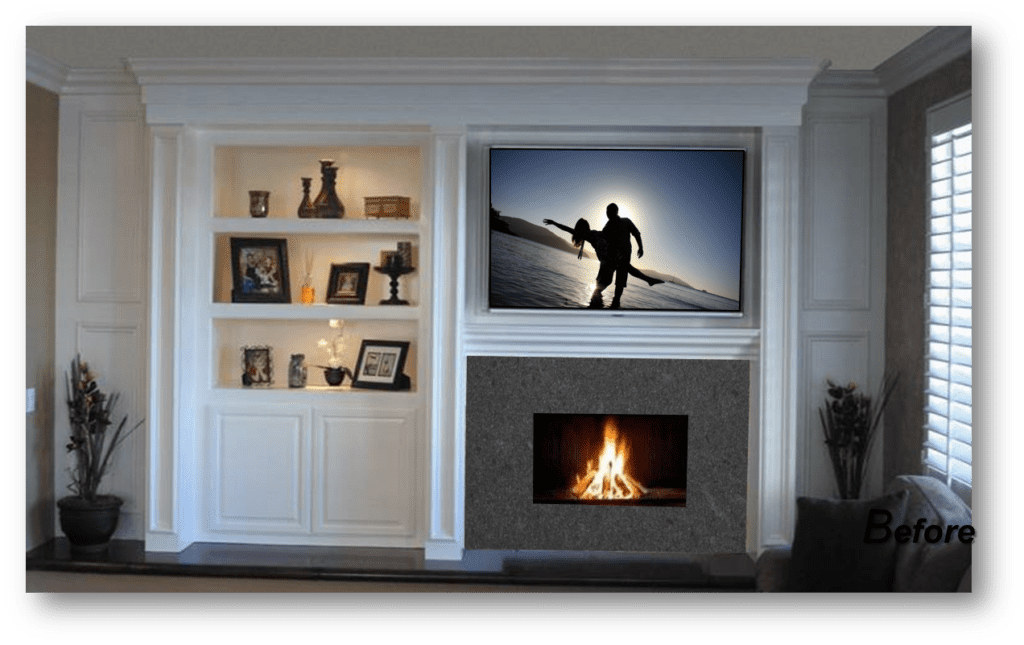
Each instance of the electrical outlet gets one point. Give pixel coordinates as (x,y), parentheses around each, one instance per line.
(30,400)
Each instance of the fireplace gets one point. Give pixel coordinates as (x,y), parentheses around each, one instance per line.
(609,459)
(525,413)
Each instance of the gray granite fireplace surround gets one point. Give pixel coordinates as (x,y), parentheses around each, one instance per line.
(503,394)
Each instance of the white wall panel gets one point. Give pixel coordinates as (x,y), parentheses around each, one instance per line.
(102,269)
(112,192)
(366,474)
(838,234)
(115,355)
(842,277)
(842,358)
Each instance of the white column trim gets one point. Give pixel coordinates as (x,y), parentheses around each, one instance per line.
(445,532)
(163,513)
(776,505)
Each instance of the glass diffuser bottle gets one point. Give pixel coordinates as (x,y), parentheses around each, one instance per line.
(308,291)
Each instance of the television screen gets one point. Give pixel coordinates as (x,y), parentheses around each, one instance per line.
(653,229)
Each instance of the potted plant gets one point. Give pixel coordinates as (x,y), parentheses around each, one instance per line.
(88,518)
(850,420)
(334,372)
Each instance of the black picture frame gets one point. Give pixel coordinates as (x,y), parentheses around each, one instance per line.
(347,283)
(259,270)
(381,364)
(257,366)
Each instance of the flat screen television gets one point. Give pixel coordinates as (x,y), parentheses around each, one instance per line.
(567,227)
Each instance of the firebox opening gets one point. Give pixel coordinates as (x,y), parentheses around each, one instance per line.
(620,460)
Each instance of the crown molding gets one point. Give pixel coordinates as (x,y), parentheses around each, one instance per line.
(847,84)
(937,48)
(44,72)
(61,79)
(464,71)
(100,81)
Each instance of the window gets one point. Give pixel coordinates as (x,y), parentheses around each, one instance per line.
(947,450)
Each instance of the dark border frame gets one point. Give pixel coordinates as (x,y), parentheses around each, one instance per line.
(748,177)
(397,380)
(362,271)
(279,246)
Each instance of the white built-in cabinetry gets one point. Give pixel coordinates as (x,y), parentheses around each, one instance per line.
(319,464)
(145,267)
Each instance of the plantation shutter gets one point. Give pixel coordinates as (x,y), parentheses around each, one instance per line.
(947,450)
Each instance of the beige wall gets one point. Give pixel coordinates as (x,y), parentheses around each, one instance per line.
(905,267)
(41,108)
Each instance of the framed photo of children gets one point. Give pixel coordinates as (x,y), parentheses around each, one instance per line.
(347,284)
(259,270)
(380,365)
(257,366)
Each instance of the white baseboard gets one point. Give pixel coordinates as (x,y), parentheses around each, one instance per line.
(442,550)
(166,542)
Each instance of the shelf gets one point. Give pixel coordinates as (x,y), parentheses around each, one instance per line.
(252,311)
(280,392)
(296,226)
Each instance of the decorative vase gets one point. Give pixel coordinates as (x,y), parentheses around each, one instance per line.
(306,208)
(297,371)
(259,203)
(89,525)
(328,205)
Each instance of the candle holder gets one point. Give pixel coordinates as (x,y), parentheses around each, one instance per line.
(259,203)
(394,269)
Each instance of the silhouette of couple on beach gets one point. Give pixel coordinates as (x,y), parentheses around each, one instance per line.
(614,249)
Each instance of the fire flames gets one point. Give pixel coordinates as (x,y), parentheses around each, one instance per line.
(609,479)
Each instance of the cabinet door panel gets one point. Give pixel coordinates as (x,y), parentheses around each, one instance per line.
(258,465)
(366,474)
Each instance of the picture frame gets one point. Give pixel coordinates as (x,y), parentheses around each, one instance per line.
(381,364)
(259,270)
(347,283)
(257,366)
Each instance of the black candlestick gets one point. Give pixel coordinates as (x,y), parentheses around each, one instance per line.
(394,271)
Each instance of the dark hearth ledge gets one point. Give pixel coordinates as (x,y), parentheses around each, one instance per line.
(597,570)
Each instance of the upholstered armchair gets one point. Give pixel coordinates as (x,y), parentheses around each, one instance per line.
(832,551)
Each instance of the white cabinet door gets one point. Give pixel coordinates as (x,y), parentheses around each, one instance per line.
(259,470)
(365,474)
(294,474)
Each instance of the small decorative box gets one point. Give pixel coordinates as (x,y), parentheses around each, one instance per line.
(396,207)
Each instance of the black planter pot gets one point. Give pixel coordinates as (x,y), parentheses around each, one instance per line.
(88,525)
(335,375)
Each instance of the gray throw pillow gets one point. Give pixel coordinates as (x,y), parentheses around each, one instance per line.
(829,553)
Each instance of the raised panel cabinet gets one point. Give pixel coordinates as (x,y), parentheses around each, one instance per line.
(365,469)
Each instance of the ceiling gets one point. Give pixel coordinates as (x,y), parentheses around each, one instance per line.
(848,48)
